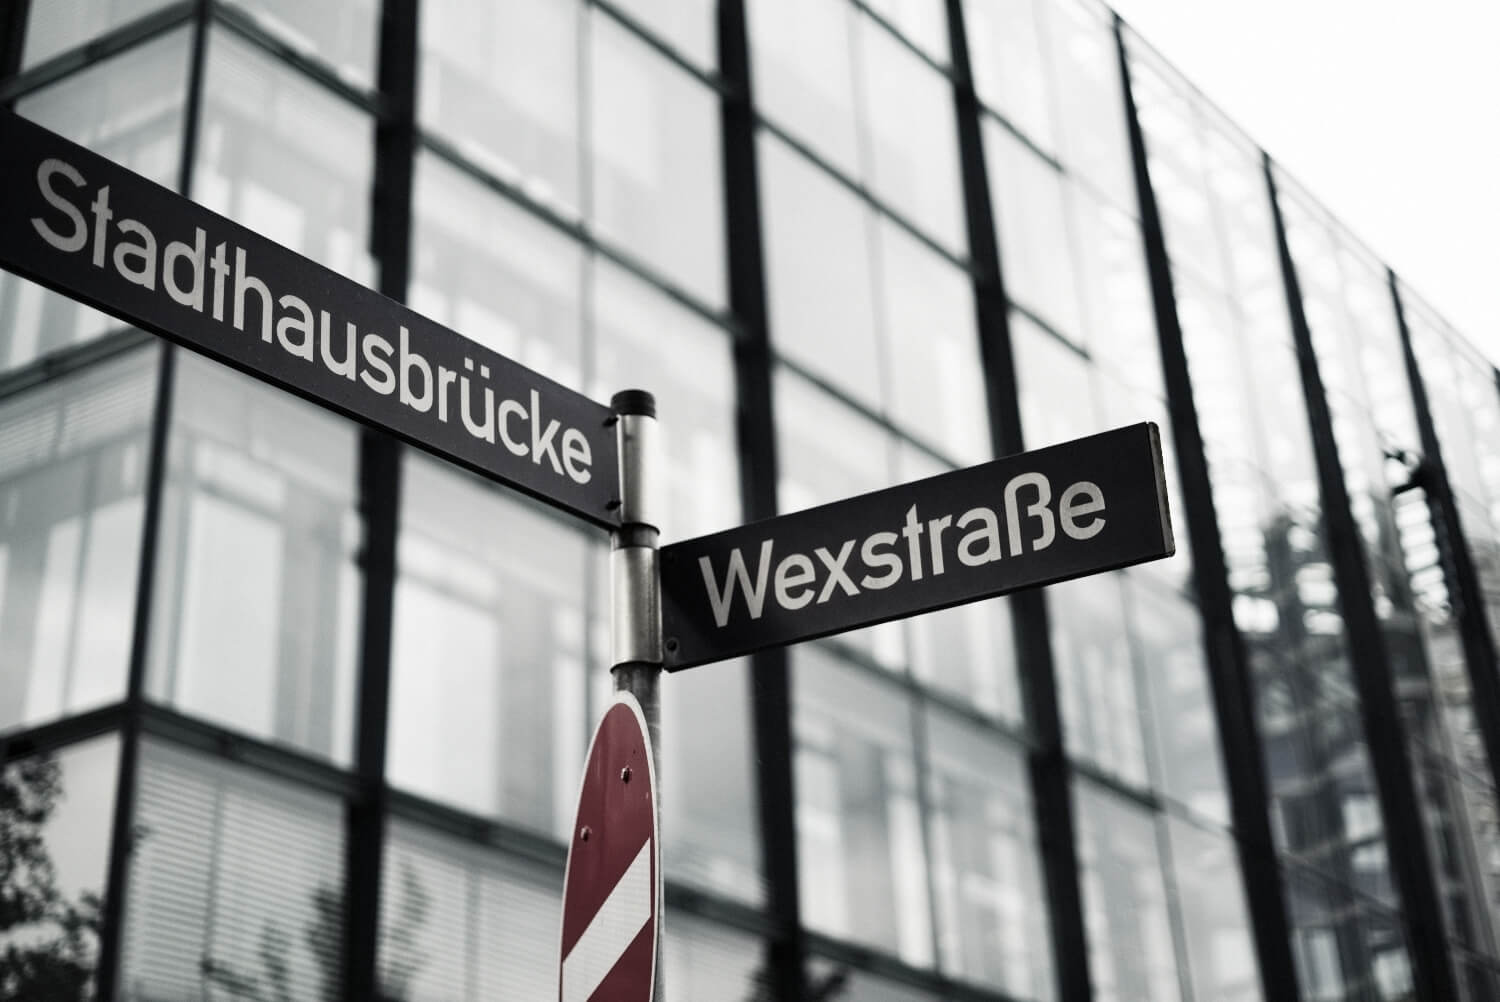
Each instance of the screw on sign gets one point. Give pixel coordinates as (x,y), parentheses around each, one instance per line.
(612,891)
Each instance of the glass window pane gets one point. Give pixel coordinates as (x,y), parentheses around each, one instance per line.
(461,923)
(1090,100)
(937,386)
(256,610)
(1216,929)
(1031,219)
(488,651)
(342,33)
(235,879)
(1124,899)
(1169,642)
(54,26)
(818,272)
(1005,48)
(518,296)
(56,819)
(708,961)
(1104,715)
(1048,371)
(968,654)
(924,23)
(712,837)
(129,109)
(500,82)
(860,859)
(827,450)
(646,340)
(689,26)
(285,157)
(992,923)
(913,142)
(1120,320)
(838,980)
(801,55)
(72,469)
(649,118)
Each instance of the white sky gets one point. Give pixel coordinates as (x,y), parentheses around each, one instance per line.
(1387,111)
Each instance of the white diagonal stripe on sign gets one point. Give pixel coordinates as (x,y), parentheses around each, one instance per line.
(613,928)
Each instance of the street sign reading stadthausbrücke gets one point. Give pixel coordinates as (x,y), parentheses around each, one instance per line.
(1094,504)
(87,227)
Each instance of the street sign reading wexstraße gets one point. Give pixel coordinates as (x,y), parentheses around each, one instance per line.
(1090,505)
(87,227)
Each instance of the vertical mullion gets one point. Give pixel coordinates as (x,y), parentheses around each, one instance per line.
(1459,570)
(1224,648)
(770,672)
(1385,731)
(122,838)
(1047,757)
(13,37)
(379,499)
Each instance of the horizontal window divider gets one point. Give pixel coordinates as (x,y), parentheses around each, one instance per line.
(864,959)
(911,685)
(862,191)
(56,735)
(248,27)
(895,32)
(709,78)
(63,362)
(112,43)
(283,762)
(865,411)
(575,228)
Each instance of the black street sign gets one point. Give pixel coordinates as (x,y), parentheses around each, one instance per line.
(1095,504)
(90,229)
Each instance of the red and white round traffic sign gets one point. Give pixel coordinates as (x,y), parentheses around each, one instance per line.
(612,890)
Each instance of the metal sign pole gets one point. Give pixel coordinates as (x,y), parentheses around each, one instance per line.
(635,588)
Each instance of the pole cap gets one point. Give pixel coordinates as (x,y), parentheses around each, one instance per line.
(634,402)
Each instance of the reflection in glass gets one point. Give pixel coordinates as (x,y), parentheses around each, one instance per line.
(235,879)
(1216,929)
(1125,900)
(460,923)
(647,120)
(518,296)
(257,588)
(708,961)
(56,819)
(992,924)
(128,108)
(500,82)
(859,831)
(54,27)
(1103,715)
(342,32)
(1050,372)
(72,467)
(708,785)
(488,651)
(285,157)
(1170,644)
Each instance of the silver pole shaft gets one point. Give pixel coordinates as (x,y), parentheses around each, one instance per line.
(635,592)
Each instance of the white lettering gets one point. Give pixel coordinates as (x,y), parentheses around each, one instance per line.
(46,172)
(720,598)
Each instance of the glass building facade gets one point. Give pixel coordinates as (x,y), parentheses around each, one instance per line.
(289,711)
